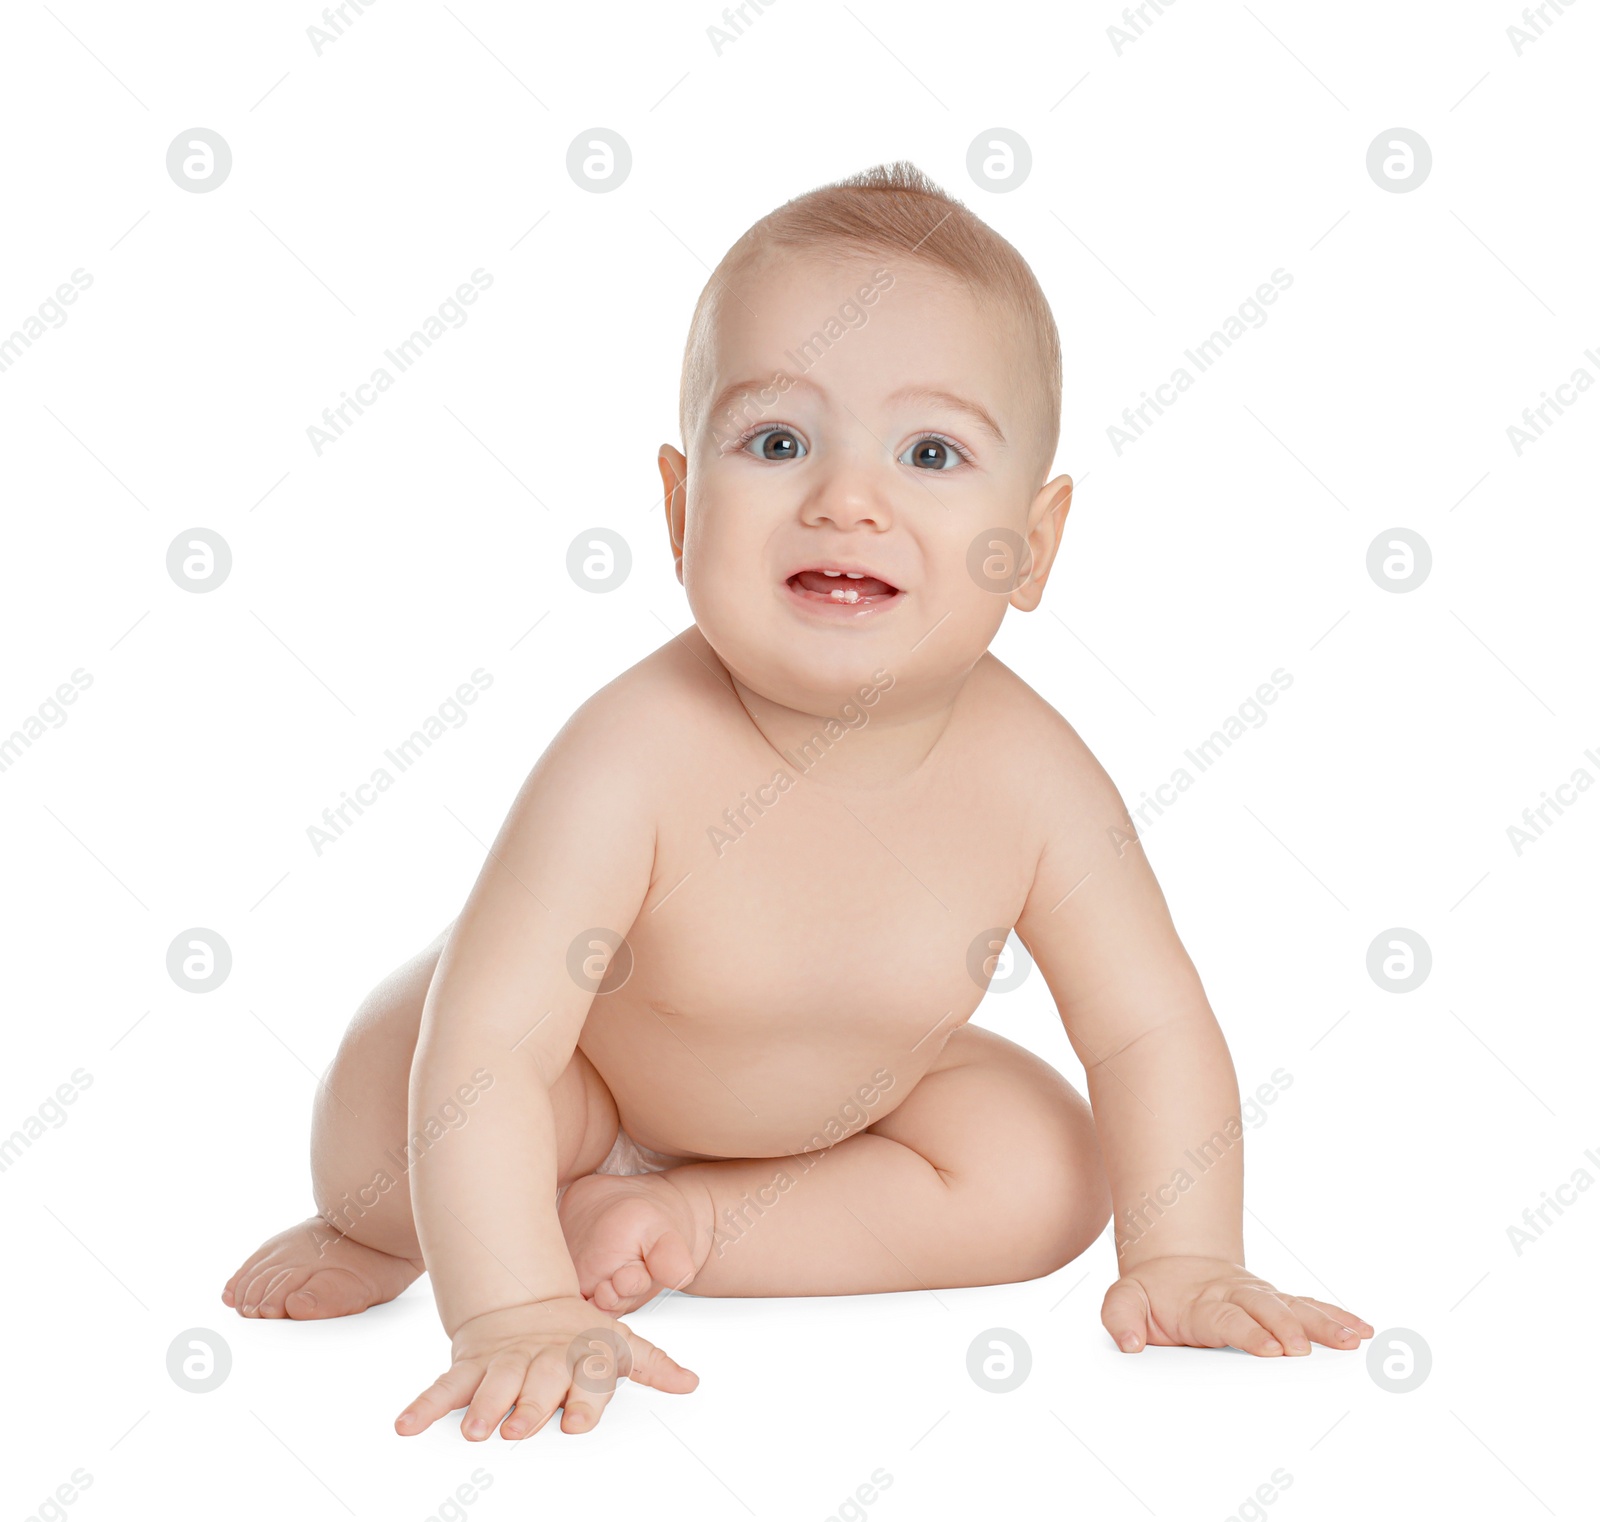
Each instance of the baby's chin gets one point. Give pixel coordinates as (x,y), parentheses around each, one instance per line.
(819,672)
(803,649)
(815,681)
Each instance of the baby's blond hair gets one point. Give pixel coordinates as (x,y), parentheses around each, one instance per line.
(890,209)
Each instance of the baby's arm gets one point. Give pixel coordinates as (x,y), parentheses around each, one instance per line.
(1160,1081)
(574,855)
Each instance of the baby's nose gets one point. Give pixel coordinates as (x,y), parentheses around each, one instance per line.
(850,497)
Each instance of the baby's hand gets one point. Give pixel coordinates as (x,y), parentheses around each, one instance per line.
(1211,1303)
(535,1358)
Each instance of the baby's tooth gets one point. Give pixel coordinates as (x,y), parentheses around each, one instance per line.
(844,594)
(830,573)
(855,575)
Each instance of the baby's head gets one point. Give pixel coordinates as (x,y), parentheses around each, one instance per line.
(871,387)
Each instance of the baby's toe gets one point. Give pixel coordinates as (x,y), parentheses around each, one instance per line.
(631,1280)
(278,1287)
(232,1291)
(254,1287)
(254,1294)
(669,1261)
(328,1292)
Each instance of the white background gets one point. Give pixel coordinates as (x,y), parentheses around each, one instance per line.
(1168,181)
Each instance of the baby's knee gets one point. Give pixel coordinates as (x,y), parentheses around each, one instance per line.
(1059,1201)
(1068,1225)
(1045,1182)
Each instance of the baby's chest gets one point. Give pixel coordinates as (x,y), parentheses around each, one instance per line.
(838,905)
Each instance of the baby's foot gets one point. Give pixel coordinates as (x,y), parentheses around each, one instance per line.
(310,1272)
(631,1238)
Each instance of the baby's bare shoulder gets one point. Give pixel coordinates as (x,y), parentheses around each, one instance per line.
(1035,747)
(581,836)
(643,726)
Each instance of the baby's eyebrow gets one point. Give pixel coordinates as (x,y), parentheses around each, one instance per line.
(980,415)
(735,389)
(954,403)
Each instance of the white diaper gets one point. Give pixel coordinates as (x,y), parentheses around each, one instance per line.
(627,1159)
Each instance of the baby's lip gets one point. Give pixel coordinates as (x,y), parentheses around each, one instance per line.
(825,576)
(841,590)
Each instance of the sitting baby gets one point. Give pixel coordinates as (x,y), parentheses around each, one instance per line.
(702,1023)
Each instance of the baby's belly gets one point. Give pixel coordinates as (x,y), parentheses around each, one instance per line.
(766,1084)
(762,1017)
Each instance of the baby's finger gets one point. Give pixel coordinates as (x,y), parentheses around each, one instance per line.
(595,1361)
(449,1392)
(1221,1323)
(496,1395)
(1325,1326)
(540,1397)
(586,1399)
(1344,1318)
(583,1410)
(1125,1313)
(652,1367)
(1278,1317)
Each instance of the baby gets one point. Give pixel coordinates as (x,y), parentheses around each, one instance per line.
(702,1023)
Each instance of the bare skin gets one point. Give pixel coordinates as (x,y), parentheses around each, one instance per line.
(338,1263)
(813,816)
(678,1217)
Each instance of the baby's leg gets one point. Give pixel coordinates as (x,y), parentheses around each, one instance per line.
(988,1172)
(361,1247)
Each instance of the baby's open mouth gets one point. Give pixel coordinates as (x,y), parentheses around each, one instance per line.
(848,589)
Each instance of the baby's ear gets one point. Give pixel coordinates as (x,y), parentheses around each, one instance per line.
(1046,519)
(675,491)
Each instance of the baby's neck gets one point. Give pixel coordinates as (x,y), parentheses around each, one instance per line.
(856,744)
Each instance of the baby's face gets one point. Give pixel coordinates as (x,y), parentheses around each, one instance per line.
(862,488)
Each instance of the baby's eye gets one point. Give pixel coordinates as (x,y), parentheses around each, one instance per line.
(932,454)
(775,444)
